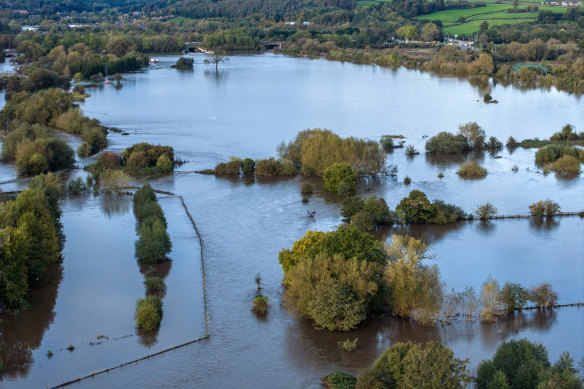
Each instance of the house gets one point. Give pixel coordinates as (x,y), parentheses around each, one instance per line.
(29,28)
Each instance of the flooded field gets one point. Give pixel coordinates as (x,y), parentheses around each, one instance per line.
(247,109)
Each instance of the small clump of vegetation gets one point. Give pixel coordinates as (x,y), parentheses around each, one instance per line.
(71,348)
(470,137)
(411,151)
(553,152)
(544,208)
(338,380)
(148,313)
(564,166)
(367,214)
(472,170)
(184,63)
(416,208)
(485,211)
(407,180)
(261,304)
(139,159)
(348,345)
(76,186)
(154,243)
(154,285)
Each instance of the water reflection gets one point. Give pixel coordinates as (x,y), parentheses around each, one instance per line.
(21,334)
(546,224)
(113,205)
(444,161)
(218,76)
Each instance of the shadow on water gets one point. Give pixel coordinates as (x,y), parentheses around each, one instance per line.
(114,205)
(443,161)
(161,269)
(22,333)
(218,76)
(428,233)
(544,224)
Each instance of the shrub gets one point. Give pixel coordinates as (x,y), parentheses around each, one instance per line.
(337,173)
(472,170)
(148,313)
(338,380)
(154,285)
(154,243)
(416,208)
(363,220)
(445,143)
(544,208)
(386,142)
(490,299)
(261,304)
(413,365)
(511,143)
(494,144)
(567,133)
(184,63)
(566,165)
(348,345)
(230,168)
(33,165)
(164,164)
(411,285)
(114,181)
(473,135)
(248,166)
(351,206)
(513,296)
(543,296)
(95,140)
(76,187)
(407,180)
(411,151)
(551,153)
(486,211)
(142,158)
(274,167)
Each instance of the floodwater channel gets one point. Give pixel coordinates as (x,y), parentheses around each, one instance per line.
(246,109)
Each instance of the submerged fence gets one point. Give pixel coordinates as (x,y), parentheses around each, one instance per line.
(197,340)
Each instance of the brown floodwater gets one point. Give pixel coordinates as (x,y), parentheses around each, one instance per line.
(247,109)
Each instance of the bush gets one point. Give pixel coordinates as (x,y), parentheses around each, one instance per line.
(348,345)
(513,296)
(490,300)
(551,153)
(543,296)
(148,313)
(184,63)
(566,166)
(142,158)
(472,170)
(416,208)
(261,304)
(338,380)
(154,285)
(413,365)
(511,143)
(230,168)
(445,143)
(494,144)
(337,173)
(411,151)
(76,187)
(114,181)
(407,180)
(544,208)
(154,243)
(486,211)
(274,167)
(386,142)
(248,166)
(164,164)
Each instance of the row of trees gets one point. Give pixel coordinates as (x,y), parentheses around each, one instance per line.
(516,364)
(154,243)
(470,137)
(31,238)
(339,277)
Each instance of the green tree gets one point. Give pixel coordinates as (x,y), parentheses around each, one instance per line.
(413,365)
(14,248)
(216,59)
(415,208)
(408,32)
(337,173)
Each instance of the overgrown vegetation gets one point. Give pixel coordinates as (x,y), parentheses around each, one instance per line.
(139,159)
(470,137)
(367,214)
(472,170)
(416,208)
(30,238)
(154,243)
(148,313)
(261,304)
(544,208)
(523,364)
(184,63)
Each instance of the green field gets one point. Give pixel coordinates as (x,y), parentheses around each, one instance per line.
(494,14)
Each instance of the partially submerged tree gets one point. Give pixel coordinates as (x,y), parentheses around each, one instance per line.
(216,59)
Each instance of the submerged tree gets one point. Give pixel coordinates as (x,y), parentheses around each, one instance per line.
(216,59)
